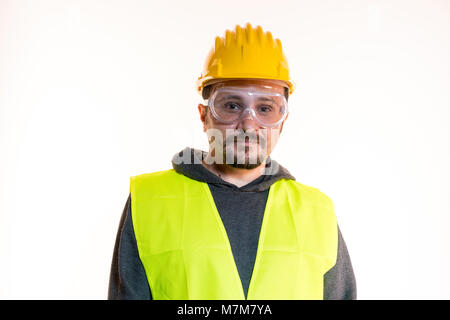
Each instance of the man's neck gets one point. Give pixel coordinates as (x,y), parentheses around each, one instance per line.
(237,176)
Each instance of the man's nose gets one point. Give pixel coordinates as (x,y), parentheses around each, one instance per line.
(247,122)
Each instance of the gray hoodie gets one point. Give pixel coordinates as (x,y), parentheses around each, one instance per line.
(241,210)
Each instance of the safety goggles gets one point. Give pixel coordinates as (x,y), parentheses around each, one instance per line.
(232,104)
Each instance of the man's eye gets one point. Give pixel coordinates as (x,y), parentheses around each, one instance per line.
(265,108)
(232,106)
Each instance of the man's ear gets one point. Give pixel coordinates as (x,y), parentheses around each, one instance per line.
(202,112)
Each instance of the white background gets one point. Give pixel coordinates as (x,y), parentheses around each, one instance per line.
(93,92)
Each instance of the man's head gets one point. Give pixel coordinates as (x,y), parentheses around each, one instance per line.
(243,135)
(245,83)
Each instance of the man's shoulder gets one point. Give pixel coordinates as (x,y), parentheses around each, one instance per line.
(151,181)
(155,174)
(164,182)
(309,193)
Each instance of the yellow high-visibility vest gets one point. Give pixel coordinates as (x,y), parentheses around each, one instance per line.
(186,253)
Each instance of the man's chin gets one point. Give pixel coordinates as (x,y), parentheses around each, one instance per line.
(247,166)
(245,162)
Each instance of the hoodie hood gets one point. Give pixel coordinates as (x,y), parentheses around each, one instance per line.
(189,163)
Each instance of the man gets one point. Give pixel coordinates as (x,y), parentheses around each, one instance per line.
(232,223)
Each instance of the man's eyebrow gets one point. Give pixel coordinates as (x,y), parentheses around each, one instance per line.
(240,97)
(230,97)
(265,99)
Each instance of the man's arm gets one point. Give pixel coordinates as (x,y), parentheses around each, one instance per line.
(127,280)
(339,281)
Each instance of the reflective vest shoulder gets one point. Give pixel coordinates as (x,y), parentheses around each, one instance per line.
(186,253)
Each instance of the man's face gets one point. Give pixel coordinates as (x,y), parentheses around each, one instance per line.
(244,143)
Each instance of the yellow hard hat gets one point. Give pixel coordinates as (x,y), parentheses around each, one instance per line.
(245,53)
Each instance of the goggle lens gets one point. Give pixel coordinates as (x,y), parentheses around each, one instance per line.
(230,105)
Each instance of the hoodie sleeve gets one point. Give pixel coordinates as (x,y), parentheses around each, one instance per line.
(339,281)
(127,280)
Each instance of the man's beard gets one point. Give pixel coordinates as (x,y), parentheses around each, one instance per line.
(236,153)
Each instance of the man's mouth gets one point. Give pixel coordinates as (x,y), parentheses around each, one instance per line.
(247,141)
